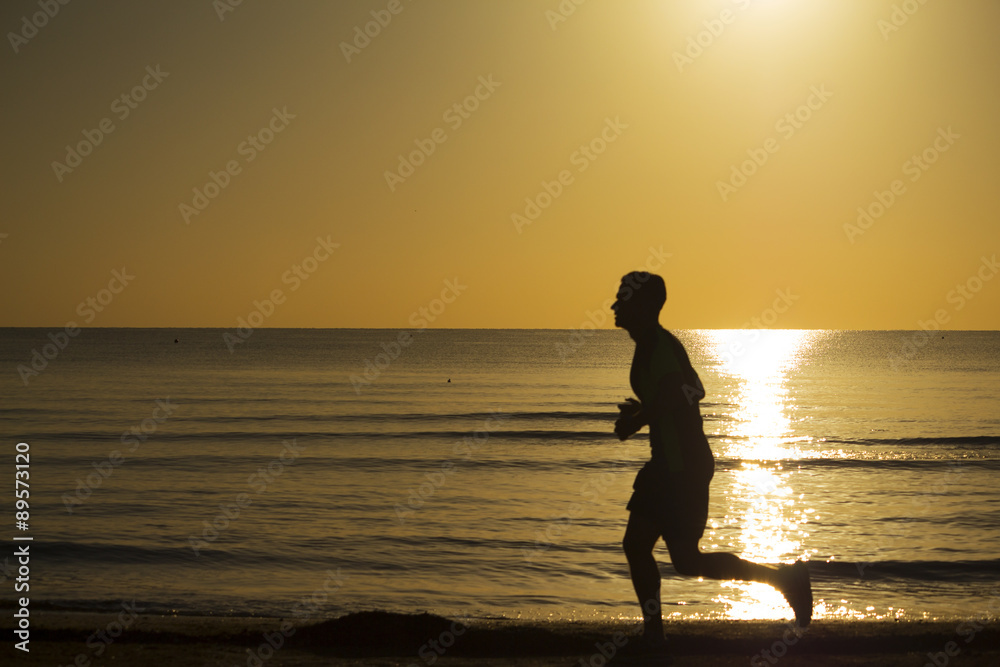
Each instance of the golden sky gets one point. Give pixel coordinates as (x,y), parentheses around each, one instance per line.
(500,163)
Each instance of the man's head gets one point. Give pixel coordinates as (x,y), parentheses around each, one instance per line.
(640,298)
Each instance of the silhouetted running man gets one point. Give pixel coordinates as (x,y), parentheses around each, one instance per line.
(670,497)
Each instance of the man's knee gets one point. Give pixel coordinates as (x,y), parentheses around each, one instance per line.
(631,547)
(640,538)
(637,547)
(686,560)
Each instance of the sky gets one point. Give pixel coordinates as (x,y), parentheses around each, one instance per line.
(500,163)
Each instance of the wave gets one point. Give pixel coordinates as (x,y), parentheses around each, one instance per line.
(210,555)
(495,459)
(975,440)
(931,571)
(483,428)
(269,436)
(116,553)
(402,417)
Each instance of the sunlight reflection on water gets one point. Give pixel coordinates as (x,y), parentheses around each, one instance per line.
(763,503)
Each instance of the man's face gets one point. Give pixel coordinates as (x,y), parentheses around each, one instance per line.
(625,306)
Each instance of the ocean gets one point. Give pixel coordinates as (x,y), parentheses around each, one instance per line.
(475,473)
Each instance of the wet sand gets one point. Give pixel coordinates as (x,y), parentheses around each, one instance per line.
(379,638)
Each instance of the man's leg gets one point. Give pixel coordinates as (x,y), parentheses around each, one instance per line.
(640,539)
(791,580)
(690,561)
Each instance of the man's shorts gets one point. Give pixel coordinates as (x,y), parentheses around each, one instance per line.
(676,502)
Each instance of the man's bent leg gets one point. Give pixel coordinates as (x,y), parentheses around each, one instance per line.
(791,580)
(640,539)
(690,561)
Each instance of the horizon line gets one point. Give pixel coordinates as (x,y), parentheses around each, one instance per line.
(172,328)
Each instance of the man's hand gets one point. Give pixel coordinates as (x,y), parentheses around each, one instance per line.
(628,422)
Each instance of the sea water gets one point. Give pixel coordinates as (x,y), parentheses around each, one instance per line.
(475,473)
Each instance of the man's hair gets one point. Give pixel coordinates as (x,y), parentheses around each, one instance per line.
(647,287)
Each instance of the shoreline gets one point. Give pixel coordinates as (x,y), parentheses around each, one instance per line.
(90,638)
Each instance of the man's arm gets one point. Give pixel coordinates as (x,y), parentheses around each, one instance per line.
(630,418)
(672,396)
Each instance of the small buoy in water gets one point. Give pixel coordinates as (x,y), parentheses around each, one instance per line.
(177,340)
(449,379)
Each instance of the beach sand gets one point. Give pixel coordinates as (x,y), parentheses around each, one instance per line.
(380,638)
